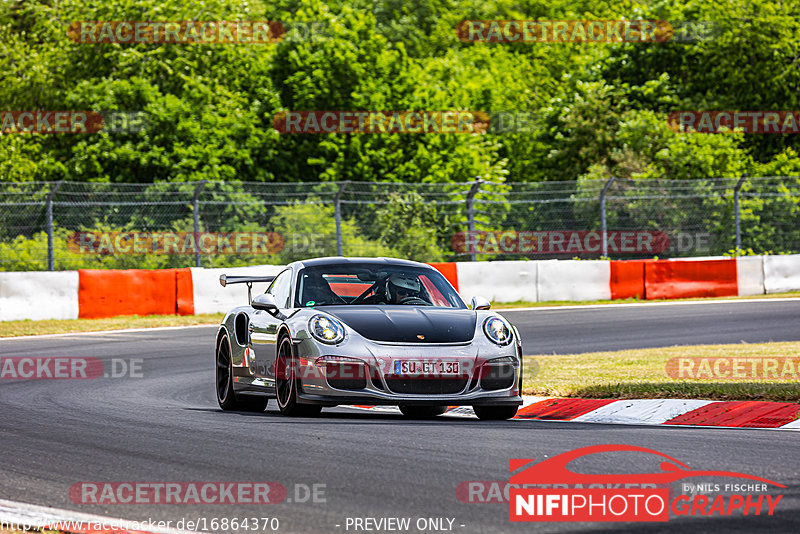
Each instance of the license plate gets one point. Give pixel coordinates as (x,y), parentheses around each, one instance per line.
(420,367)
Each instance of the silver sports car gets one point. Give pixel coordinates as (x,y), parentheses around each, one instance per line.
(332,331)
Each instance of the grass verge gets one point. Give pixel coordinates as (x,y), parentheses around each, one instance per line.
(68,326)
(528,304)
(641,374)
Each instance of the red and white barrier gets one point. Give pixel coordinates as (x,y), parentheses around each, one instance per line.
(93,293)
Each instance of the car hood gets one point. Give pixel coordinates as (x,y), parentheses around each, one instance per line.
(405,324)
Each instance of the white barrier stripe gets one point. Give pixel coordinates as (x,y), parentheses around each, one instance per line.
(561,280)
(498,281)
(750,275)
(210,297)
(38,295)
(781,273)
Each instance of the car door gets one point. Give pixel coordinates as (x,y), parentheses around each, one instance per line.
(264,328)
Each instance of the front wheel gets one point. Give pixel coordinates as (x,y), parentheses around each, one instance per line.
(495,413)
(422,412)
(286,383)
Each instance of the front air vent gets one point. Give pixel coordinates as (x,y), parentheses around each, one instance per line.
(498,376)
(346,375)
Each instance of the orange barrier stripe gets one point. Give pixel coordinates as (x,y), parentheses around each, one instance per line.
(666,279)
(627,279)
(111,293)
(449,270)
(184,292)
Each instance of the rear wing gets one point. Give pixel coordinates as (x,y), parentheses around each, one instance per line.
(224,280)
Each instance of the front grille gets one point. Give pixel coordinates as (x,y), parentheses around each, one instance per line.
(427,386)
(497,376)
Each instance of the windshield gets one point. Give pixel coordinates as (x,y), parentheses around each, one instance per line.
(356,283)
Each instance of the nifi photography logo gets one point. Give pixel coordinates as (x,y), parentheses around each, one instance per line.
(549,491)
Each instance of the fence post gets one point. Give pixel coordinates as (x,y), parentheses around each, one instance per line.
(473,190)
(51,262)
(603,227)
(196,212)
(736,217)
(337,215)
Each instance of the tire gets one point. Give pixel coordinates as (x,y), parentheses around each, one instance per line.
(226,397)
(286,383)
(422,412)
(495,413)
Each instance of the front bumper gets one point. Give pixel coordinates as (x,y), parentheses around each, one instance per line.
(380,386)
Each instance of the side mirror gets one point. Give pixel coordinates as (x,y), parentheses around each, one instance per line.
(266,302)
(480,303)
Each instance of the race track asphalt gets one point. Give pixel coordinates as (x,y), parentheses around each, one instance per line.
(166,426)
(620,326)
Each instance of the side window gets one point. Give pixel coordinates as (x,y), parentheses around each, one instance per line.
(281,288)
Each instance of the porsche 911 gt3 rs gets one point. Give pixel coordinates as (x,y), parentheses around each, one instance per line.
(333,331)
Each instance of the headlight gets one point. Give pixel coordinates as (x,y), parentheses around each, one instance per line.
(497,330)
(326,329)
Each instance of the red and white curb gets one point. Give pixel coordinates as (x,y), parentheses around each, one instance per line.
(731,414)
(20,516)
